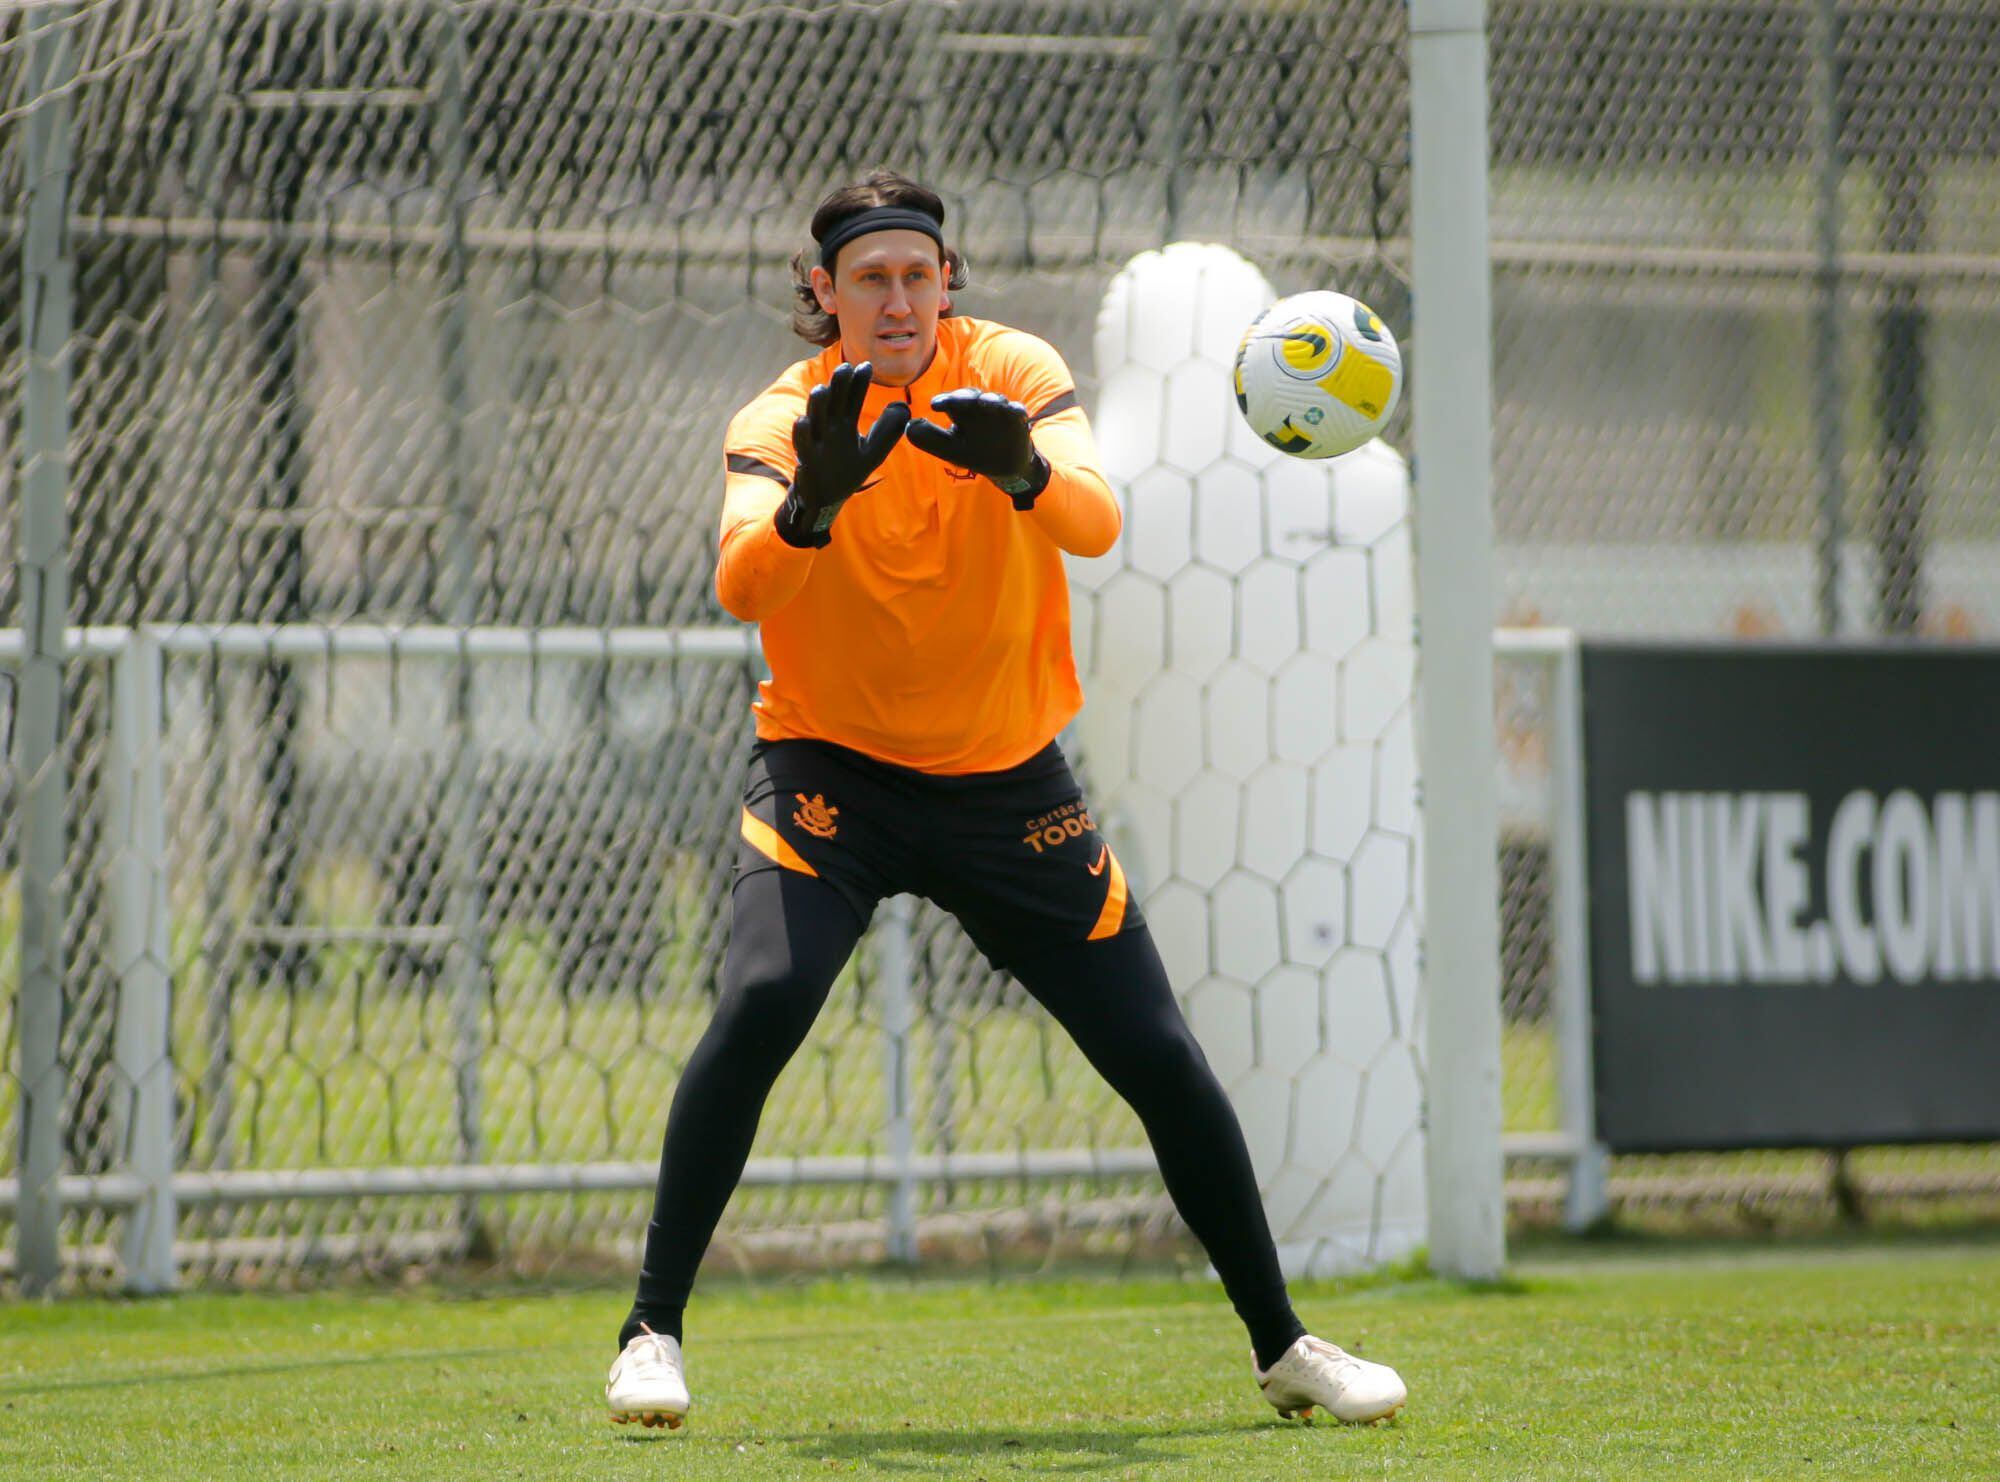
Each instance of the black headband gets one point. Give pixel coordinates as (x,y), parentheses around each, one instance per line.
(879,219)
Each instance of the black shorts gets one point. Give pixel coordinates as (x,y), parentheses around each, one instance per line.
(1014,855)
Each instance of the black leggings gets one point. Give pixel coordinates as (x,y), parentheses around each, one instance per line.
(792,934)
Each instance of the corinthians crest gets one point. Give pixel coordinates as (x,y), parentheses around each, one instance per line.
(815,816)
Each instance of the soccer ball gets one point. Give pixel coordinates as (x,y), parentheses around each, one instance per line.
(1318,374)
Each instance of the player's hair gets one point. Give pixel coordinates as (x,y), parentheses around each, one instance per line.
(880,187)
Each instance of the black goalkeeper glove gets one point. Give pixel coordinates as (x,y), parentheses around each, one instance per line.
(834,459)
(988,435)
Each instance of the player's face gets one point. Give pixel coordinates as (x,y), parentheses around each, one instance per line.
(888,290)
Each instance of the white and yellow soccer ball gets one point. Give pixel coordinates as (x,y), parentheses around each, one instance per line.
(1318,374)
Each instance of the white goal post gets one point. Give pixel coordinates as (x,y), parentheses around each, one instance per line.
(1452,391)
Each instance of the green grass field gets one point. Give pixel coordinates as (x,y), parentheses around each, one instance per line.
(1874,1357)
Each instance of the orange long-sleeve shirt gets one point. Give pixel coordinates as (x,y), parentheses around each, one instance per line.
(933,632)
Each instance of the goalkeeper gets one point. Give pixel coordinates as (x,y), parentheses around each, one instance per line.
(894,517)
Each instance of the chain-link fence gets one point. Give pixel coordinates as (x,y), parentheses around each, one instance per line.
(1746,289)
(392,314)
(346,315)
(1747,266)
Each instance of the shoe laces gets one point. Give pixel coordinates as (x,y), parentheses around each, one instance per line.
(1335,1362)
(649,1348)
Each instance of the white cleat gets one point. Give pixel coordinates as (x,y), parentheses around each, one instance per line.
(648,1383)
(1314,1374)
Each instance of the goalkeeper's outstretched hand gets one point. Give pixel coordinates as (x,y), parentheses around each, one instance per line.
(988,435)
(834,459)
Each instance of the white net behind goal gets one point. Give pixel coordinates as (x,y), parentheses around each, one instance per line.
(1250,649)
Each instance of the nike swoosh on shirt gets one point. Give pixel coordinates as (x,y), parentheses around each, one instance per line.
(1102,855)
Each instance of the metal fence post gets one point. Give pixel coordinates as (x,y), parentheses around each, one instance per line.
(41,764)
(924,35)
(459,604)
(1587,1200)
(943,1094)
(1163,111)
(142,1048)
(892,944)
(216,1094)
(1828,440)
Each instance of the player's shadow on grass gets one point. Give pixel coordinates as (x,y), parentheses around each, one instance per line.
(1045,1449)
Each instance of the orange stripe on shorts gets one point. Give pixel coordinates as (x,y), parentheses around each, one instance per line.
(768,842)
(1113,915)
